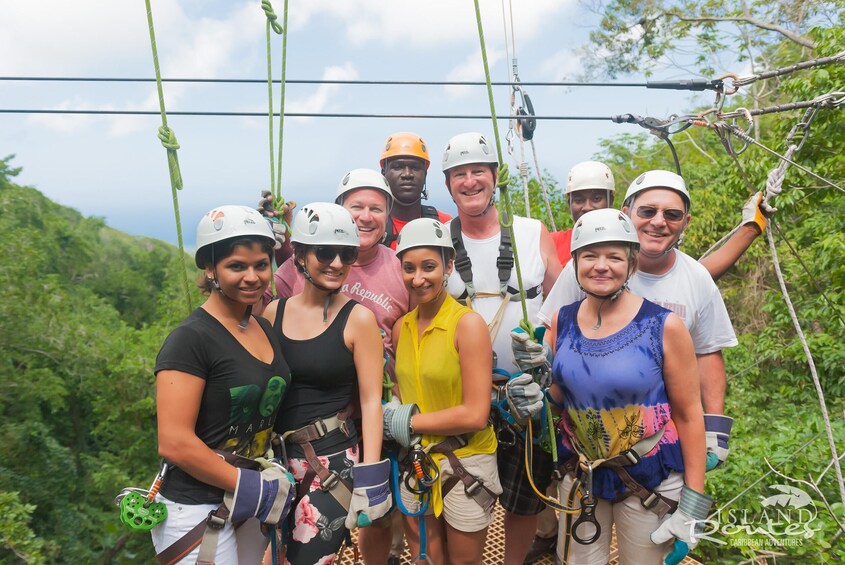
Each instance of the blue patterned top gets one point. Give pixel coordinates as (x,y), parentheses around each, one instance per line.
(614,395)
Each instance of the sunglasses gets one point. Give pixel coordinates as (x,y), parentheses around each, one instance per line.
(669,214)
(325,254)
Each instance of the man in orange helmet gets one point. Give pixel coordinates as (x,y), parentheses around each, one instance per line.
(404,163)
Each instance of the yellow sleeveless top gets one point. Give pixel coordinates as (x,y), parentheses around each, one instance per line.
(429,374)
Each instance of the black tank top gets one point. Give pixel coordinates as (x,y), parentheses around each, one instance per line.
(323,381)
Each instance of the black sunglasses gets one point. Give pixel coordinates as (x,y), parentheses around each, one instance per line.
(325,254)
(669,214)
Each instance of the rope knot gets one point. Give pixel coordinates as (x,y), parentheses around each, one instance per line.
(168,140)
(271,16)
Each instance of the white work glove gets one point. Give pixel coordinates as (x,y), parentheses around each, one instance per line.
(397,423)
(528,354)
(684,525)
(717,432)
(266,494)
(524,396)
(756,211)
(371,498)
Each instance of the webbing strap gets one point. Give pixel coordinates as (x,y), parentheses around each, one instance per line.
(463,264)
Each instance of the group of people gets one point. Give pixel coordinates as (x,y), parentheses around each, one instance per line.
(363,383)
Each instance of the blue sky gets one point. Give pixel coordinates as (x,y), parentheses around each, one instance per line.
(114,167)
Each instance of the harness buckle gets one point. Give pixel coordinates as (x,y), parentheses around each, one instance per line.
(330,481)
(214,521)
(344,427)
(473,488)
(632,456)
(651,501)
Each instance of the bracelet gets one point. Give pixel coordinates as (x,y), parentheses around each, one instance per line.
(411,425)
(553,402)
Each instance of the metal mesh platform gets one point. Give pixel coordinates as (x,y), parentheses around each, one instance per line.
(494,550)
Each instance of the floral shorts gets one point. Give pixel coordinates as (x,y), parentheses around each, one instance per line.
(317,523)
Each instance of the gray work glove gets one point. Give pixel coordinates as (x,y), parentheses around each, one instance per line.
(525,398)
(397,423)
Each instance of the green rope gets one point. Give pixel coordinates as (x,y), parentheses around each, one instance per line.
(168,140)
(276,163)
(505,218)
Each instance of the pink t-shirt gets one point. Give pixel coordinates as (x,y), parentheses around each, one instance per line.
(377,285)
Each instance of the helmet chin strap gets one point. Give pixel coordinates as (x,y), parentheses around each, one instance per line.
(247,313)
(328,298)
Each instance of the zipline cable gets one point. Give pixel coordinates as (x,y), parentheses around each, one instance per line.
(168,140)
(291,114)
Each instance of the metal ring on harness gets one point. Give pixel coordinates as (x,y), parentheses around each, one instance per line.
(423,470)
(588,515)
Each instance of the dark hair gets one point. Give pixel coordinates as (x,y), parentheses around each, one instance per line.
(299,252)
(222,249)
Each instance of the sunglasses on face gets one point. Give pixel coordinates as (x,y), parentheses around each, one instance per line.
(669,214)
(325,254)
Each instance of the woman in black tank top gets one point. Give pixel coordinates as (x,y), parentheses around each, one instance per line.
(334,349)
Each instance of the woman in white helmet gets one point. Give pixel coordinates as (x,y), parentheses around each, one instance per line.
(444,366)
(333,346)
(220,379)
(625,383)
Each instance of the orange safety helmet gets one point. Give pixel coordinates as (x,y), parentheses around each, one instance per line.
(405,144)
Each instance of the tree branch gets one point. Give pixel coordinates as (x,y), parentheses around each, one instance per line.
(792,36)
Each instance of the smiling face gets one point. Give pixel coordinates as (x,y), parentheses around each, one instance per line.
(406,178)
(604,268)
(657,234)
(472,187)
(244,274)
(368,207)
(424,274)
(329,275)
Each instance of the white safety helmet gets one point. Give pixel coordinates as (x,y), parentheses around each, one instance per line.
(424,232)
(658,179)
(590,175)
(228,222)
(324,223)
(466,148)
(604,226)
(363,178)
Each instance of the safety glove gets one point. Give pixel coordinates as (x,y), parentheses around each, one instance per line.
(685,525)
(717,432)
(266,494)
(756,211)
(525,398)
(397,423)
(371,498)
(279,220)
(528,352)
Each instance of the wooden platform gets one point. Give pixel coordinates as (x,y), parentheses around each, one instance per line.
(494,551)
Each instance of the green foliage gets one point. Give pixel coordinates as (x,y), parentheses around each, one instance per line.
(85,309)
(640,36)
(536,201)
(771,393)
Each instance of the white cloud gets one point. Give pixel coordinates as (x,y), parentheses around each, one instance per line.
(561,66)
(427,24)
(472,69)
(325,93)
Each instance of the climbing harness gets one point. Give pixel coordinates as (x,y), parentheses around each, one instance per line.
(168,140)
(206,533)
(138,508)
(425,473)
(330,481)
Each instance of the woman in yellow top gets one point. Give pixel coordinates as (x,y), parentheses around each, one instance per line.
(444,365)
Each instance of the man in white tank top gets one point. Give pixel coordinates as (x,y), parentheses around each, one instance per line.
(471,170)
